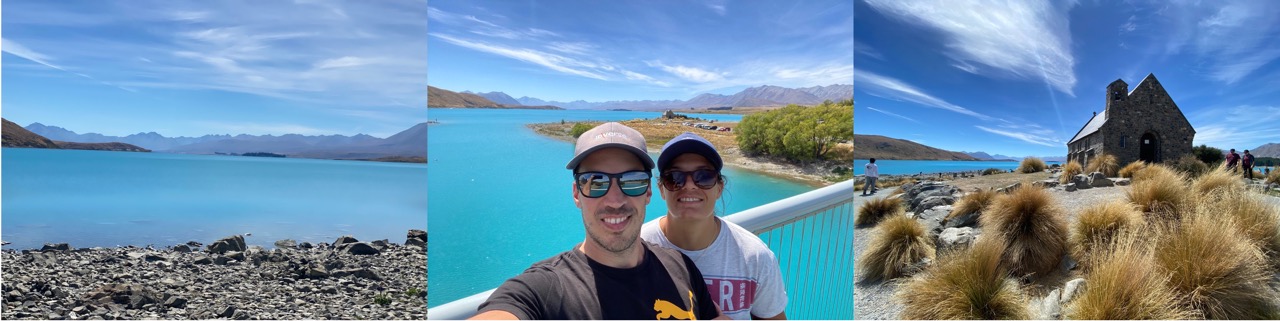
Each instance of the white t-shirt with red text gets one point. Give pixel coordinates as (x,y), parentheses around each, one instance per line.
(741,272)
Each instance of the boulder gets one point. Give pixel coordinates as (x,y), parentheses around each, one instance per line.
(182,248)
(381,245)
(305,245)
(358,272)
(1072,288)
(1096,179)
(203,260)
(359,248)
(964,220)
(286,244)
(1048,183)
(1081,181)
(1069,187)
(238,256)
(175,302)
(1121,181)
(932,202)
(955,238)
(56,247)
(1009,188)
(932,218)
(344,240)
(415,242)
(417,234)
(221,260)
(228,244)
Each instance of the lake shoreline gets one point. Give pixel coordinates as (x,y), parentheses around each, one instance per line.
(731,156)
(347,279)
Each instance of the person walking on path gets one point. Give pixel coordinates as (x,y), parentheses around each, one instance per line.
(1246,163)
(1232,159)
(741,272)
(872,173)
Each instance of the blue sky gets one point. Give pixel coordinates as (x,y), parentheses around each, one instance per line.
(1022,78)
(636,50)
(189,68)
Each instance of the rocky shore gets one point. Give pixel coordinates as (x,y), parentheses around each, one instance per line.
(346,279)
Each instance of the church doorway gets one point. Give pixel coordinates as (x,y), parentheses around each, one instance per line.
(1147,152)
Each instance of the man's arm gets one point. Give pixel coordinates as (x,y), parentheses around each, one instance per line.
(518,298)
(494,315)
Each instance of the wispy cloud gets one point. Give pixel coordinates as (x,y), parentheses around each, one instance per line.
(549,60)
(1022,39)
(894,115)
(1233,127)
(896,89)
(264,129)
(1234,38)
(1031,134)
(689,73)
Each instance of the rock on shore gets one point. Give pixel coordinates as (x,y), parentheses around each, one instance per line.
(227,280)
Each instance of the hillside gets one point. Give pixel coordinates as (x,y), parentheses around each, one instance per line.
(497,97)
(443,98)
(16,136)
(1267,150)
(113,146)
(880,147)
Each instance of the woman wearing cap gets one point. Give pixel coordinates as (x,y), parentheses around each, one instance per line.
(741,272)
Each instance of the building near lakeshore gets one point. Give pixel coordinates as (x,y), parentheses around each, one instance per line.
(1143,124)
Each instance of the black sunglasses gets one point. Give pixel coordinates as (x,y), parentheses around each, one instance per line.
(597,184)
(702,178)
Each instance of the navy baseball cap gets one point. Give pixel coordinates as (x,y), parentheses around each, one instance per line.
(689,143)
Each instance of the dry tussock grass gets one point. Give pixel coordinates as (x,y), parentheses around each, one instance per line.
(1069,171)
(1159,192)
(1254,217)
(1217,179)
(1274,178)
(965,285)
(877,209)
(1033,227)
(1128,170)
(899,242)
(972,202)
(1127,284)
(1098,226)
(1105,163)
(1216,270)
(1031,165)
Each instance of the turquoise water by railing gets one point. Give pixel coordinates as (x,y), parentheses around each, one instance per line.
(98,198)
(501,198)
(898,167)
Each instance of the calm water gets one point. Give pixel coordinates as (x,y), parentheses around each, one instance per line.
(97,198)
(897,167)
(501,198)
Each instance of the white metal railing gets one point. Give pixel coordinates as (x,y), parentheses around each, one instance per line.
(812,236)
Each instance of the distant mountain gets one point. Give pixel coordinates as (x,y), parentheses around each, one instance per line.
(16,136)
(980,155)
(498,97)
(437,97)
(880,147)
(149,140)
(1267,150)
(750,97)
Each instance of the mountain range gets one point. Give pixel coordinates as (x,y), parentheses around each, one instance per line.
(408,143)
(881,147)
(1267,150)
(16,136)
(750,97)
(443,98)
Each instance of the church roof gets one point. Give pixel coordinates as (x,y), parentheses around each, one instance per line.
(1089,128)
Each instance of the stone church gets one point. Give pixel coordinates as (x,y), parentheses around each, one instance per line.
(1143,124)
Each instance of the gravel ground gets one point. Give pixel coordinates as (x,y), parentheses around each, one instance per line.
(353,280)
(874,300)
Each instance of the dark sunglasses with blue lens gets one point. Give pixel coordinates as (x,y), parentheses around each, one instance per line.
(597,184)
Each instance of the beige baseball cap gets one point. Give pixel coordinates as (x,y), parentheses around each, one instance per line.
(608,135)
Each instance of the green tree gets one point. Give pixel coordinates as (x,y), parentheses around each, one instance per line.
(1206,154)
(580,128)
(797,132)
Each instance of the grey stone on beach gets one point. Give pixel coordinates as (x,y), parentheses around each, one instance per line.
(228,244)
(182,248)
(933,201)
(955,238)
(344,240)
(1097,179)
(1081,181)
(58,247)
(286,244)
(359,248)
(1009,188)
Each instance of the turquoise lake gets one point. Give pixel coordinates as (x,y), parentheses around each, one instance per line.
(899,167)
(501,198)
(99,198)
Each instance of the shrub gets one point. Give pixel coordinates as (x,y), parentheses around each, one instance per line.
(1031,225)
(1069,172)
(992,171)
(797,132)
(1215,269)
(580,128)
(878,208)
(382,299)
(1031,165)
(1216,179)
(1098,225)
(1189,166)
(413,292)
(1159,192)
(972,202)
(965,285)
(1105,163)
(1274,178)
(1208,155)
(1127,284)
(1256,219)
(899,242)
(1128,170)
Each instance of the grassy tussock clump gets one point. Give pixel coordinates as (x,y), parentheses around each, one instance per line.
(1274,178)
(1105,163)
(965,285)
(1215,269)
(1031,225)
(1189,165)
(1127,284)
(1160,192)
(1128,170)
(1215,180)
(899,242)
(1069,171)
(1255,219)
(1098,226)
(972,202)
(877,209)
(1031,165)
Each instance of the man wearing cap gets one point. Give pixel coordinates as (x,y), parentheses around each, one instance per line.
(741,273)
(612,274)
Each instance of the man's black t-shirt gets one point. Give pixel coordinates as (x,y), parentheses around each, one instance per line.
(666,285)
